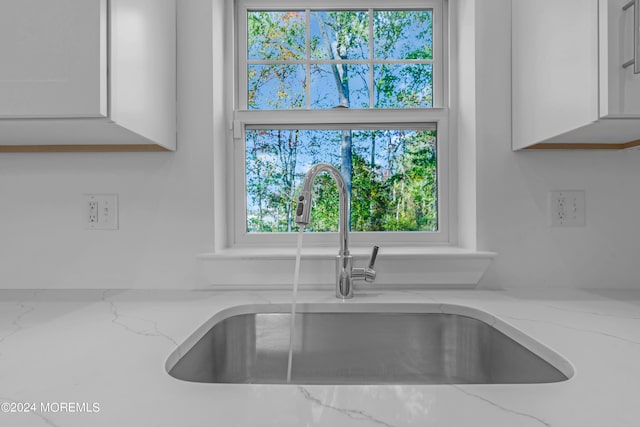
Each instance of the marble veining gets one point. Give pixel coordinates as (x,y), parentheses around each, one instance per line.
(574,328)
(139,326)
(111,348)
(500,407)
(23,309)
(592,312)
(350,413)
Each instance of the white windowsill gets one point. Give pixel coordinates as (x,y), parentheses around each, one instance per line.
(397,267)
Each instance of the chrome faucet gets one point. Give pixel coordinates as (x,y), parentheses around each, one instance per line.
(345,272)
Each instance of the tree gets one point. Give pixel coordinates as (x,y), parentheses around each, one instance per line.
(391,174)
(342,33)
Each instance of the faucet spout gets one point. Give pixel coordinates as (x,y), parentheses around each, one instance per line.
(303,210)
(345,273)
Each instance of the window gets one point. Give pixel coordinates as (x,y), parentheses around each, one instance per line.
(358,85)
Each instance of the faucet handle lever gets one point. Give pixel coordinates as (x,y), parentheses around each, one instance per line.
(367,274)
(370,273)
(374,255)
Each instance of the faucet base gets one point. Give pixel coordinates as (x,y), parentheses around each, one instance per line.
(344,283)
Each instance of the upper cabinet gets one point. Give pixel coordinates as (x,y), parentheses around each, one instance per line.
(87,75)
(53,58)
(575,74)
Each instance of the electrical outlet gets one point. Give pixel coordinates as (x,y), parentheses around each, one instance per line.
(567,208)
(92,211)
(102,211)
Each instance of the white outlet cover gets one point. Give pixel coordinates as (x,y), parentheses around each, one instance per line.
(107,212)
(567,208)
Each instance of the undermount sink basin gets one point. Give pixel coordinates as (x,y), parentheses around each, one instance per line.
(364,344)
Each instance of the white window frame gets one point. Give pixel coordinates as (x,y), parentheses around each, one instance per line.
(242,118)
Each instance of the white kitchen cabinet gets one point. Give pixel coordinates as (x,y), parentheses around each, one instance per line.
(570,89)
(87,75)
(53,57)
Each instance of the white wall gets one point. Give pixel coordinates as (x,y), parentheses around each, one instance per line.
(512,190)
(463,111)
(166,199)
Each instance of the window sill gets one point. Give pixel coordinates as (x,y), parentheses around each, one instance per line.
(397,267)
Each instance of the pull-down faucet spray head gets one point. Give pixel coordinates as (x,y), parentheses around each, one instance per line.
(303,210)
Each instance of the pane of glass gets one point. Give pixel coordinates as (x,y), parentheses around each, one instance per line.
(403,34)
(339,34)
(276,35)
(276,87)
(393,181)
(339,85)
(403,86)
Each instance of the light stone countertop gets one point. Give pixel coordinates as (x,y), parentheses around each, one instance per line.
(103,355)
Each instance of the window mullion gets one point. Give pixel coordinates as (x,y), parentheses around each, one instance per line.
(308,59)
(371,53)
(339,116)
(337,61)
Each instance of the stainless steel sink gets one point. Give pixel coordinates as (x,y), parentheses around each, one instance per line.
(397,344)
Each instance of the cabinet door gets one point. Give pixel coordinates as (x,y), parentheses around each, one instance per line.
(620,85)
(554,68)
(53,58)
